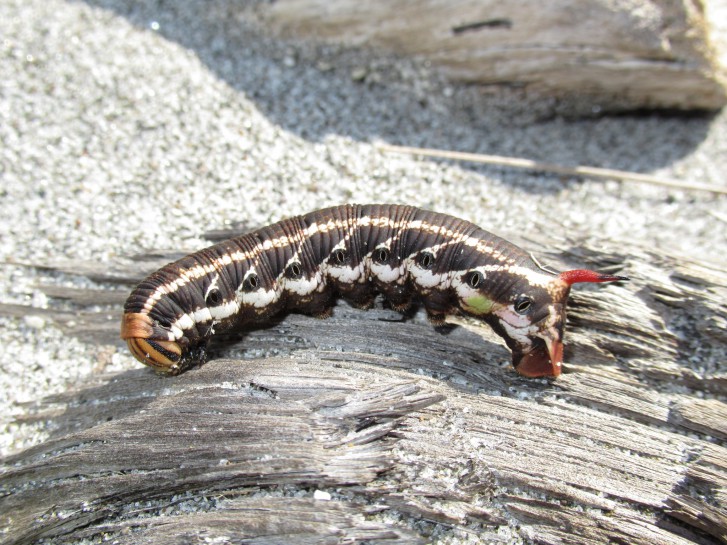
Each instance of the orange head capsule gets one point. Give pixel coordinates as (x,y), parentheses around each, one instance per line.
(162,354)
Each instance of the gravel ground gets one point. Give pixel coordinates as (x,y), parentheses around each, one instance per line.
(129,126)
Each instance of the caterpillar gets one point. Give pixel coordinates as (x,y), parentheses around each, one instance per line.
(355,252)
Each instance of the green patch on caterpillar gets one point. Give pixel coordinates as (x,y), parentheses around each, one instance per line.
(478,305)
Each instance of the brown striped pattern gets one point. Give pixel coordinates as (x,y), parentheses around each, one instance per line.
(356,252)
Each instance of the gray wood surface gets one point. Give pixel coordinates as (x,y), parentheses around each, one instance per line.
(619,55)
(409,434)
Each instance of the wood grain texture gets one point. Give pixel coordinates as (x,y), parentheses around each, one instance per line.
(415,434)
(642,54)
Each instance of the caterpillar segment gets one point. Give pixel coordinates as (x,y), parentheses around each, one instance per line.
(302,264)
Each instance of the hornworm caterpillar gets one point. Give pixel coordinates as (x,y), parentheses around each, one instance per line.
(302,263)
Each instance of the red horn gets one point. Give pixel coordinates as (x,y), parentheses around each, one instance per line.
(584,275)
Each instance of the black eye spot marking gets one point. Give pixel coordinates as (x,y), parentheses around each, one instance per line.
(214,298)
(475,278)
(523,304)
(251,282)
(294,271)
(425,260)
(381,255)
(339,256)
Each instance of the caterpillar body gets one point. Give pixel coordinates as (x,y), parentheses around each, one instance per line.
(355,252)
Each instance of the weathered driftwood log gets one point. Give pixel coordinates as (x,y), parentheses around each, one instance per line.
(371,427)
(641,54)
